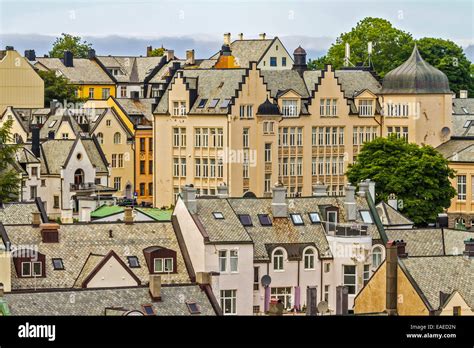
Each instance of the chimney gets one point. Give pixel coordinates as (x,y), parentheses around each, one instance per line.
(241,36)
(391,277)
(279,206)
(299,57)
(320,190)
(9,48)
(222,191)
(128,215)
(469,248)
(149,49)
(68,59)
(442,220)
(342,294)
(35,140)
(363,188)
(50,232)
(190,57)
(227,39)
(36,218)
(91,53)
(204,278)
(169,55)
(155,287)
(30,55)
(392,201)
(85,214)
(262,36)
(401,253)
(350,203)
(189,198)
(463,94)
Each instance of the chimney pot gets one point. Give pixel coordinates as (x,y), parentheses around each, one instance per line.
(363,188)
(155,287)
(463,94)
(68,59)
(279,206)
(241,36)
(169,55)
(91,53)
(36,220)
(30,55)
(128,215)
(149,49)
(263,36)
(469,248)
(392,201)
(204,278)
(190,57)
(227,39)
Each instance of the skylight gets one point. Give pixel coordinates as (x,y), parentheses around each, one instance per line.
(297,219)
(465,110)
(202,103)
(225,103)
(314,217)
(148,309)
(218,215)
(193,307)
(133,262)
(467,124)
(245,220)
(366,217)
(213,103)
(51,125)
(264,220)
(58,264)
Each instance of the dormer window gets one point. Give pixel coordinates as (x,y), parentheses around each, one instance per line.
(163,265)
(160,260)
(366,107)
(290,107)
(29,263)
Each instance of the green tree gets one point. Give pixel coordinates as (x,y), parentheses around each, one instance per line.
(318,63)
(9,178)
(418,175)
(67,42)
(157,52)
(57,87)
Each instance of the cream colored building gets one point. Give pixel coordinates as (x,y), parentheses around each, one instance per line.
(20,85)
(252,127)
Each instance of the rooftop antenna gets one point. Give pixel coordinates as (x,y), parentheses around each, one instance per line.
(347,55)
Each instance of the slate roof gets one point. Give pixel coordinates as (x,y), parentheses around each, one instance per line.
(62,115)
(78,241)
(85,71)
(18,213)
(54,154)
(247,51)
(463,106)
(463,117)
(442,273)
(134,69)
(137,107)
(458,150)
(390,216)
(95,301)
(95,156)
(279,81)
(161,74)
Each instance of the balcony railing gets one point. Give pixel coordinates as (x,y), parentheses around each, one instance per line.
(345,230)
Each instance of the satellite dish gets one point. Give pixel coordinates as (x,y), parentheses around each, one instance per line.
(266,280)
(323,307)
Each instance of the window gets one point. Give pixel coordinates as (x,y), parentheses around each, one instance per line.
(283,61)
(328,107)
(65,136)
(202,103)
(142,189)
(461,187)
(31,269)
(278,260)
(34,172)
(148,310)
(234,261)
(58,264)
(213,103)
(56,202)
(457,311)
(264,219)
(142,144)
(161,265)
(51,125)
(327,267)
(179,108)
(108,123)
(256,278)
(133,262)
(290,107)
(150,189)
(283,294)
(326,293)
(366,108)
(314,217)
(267,183)
(332,220)
(183,166)
(197,167)
(105,93)
(350,278)
(193,308)
(366,217)
(123,91)
(268,152)
(117,138)
(218,215)
(245,220)
(223,261)
(150,167)
(91,93)
(26,269)
(114,160)
(268,127)
(33,192)
(225,103)
(297,219)
(366,273)
(100,138)
(120,160)
(118,183)
(273,61)
(245,137)
(376,256)
(309,259)
(229,302)
(142,167)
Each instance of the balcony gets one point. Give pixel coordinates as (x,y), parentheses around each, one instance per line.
(90,187)
(345,229)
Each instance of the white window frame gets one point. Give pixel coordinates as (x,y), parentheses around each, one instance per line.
(309,259)
(278,260)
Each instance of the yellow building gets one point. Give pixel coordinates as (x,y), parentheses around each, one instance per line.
(252,127)
(20,85)
(92,81)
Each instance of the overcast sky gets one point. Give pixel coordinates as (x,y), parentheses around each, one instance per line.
(209,19)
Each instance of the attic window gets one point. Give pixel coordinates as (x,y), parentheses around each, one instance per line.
(245,220)
(148,309)
(133,262)
(465,110)
(218,215)
(297,219)
(214,103)
(467,124)
(225,103)
(314,217)
(264,220)
(202,103)
(366,217)
(58,264)
(51,125)
(193,308)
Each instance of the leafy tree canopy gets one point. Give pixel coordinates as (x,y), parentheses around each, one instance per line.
(57,87)
(418,175)
(67,42)
(9,178)
(157,52)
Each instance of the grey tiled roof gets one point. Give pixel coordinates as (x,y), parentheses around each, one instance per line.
(282,80)
(95,301)
(137,107)
(390,216)
(247,51)
(54,154)
(135,69)
(454,241)
(18,213)
(93,152)
(62,115)
(159,76)
(444,273)
(458,150)
(78,241)
(84,71)
(459,104)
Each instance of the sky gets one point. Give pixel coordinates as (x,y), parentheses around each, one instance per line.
(314,23)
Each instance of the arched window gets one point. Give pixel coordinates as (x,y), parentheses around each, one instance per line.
(278,260)
(117,138)
(308,258)
(78,177)
(377,254)
(100,138)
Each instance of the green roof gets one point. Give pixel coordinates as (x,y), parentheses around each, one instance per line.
(106,210)
(157,214)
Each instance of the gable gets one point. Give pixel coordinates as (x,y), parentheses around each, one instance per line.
(65,128)
(17,126)
(120,112)
(366,94)
(277,50)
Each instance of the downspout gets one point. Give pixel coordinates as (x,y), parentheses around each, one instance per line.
(266,300)
(322,286)
(228,162)
(297,288)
